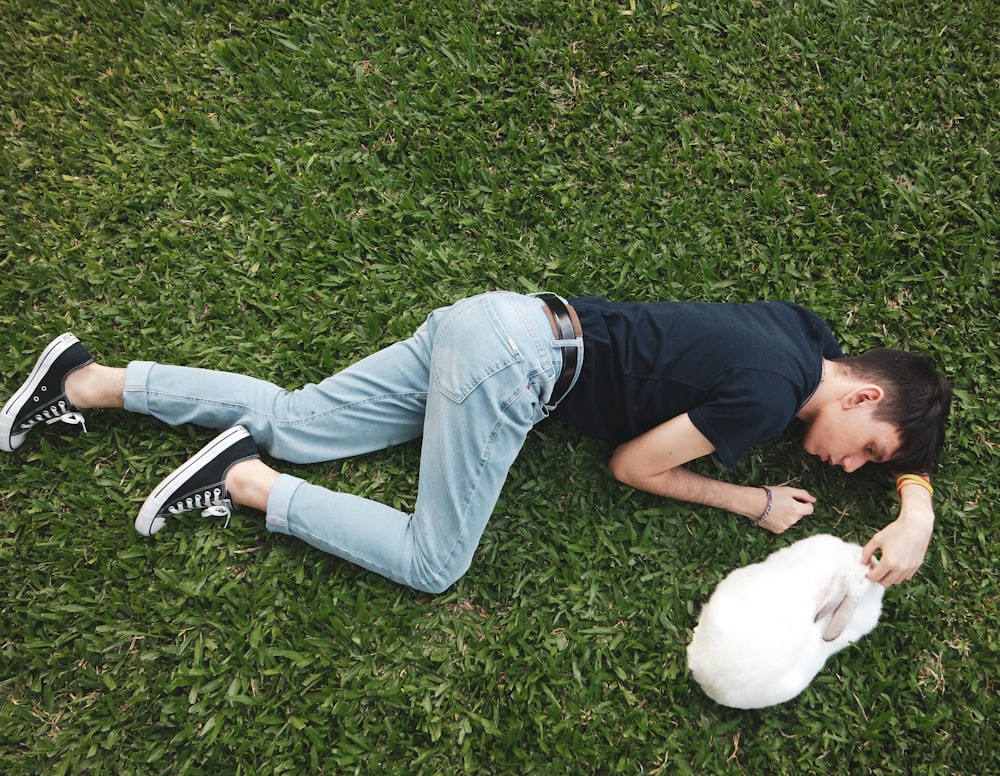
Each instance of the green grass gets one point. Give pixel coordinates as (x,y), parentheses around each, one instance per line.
(280,187)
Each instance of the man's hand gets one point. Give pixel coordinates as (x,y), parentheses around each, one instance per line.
(902,543)
(790,505)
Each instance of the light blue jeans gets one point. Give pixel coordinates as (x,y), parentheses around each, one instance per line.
(472,381)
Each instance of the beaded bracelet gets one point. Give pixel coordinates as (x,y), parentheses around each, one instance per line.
(767,509)
(905,479)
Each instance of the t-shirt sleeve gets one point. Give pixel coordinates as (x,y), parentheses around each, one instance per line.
(746,411)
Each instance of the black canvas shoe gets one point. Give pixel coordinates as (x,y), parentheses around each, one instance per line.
(42,397)
(199,483)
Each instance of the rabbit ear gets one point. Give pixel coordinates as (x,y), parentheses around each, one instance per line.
(838,605)
(842,616)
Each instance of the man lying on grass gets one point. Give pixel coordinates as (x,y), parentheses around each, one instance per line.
(667,382)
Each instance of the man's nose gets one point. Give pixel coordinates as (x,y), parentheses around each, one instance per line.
(851,463)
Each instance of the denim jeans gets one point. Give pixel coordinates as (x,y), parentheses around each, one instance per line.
(472,381)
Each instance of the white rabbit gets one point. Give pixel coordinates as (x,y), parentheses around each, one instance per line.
(768,628)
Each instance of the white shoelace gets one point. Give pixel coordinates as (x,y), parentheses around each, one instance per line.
(219,510)
(211,502)
(61,413)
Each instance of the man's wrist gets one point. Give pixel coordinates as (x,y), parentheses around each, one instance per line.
(916,506)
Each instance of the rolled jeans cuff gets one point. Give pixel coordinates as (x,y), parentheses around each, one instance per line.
(279,503)
(136,378)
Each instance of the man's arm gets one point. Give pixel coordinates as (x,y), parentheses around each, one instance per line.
(903,543)
(653,462)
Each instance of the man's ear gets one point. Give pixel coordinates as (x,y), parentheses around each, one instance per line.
(863,394)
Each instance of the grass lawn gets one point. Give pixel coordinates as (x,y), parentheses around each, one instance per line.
(279,187)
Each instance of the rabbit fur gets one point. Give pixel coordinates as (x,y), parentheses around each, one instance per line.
(769,627)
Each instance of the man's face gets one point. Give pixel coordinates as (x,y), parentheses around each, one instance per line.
(850,437)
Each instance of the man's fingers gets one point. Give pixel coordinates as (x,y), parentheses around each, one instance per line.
(878,574)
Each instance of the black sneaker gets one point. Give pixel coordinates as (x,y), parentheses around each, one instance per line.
(42,397)
(199,483)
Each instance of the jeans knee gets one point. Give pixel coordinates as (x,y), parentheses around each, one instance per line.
(434,587)
(437,581)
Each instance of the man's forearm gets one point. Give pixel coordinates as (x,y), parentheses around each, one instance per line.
(683,485)
(916,503)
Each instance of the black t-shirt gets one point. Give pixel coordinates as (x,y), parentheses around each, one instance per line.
(741,371)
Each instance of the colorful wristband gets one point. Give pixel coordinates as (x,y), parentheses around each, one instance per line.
(916,479)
